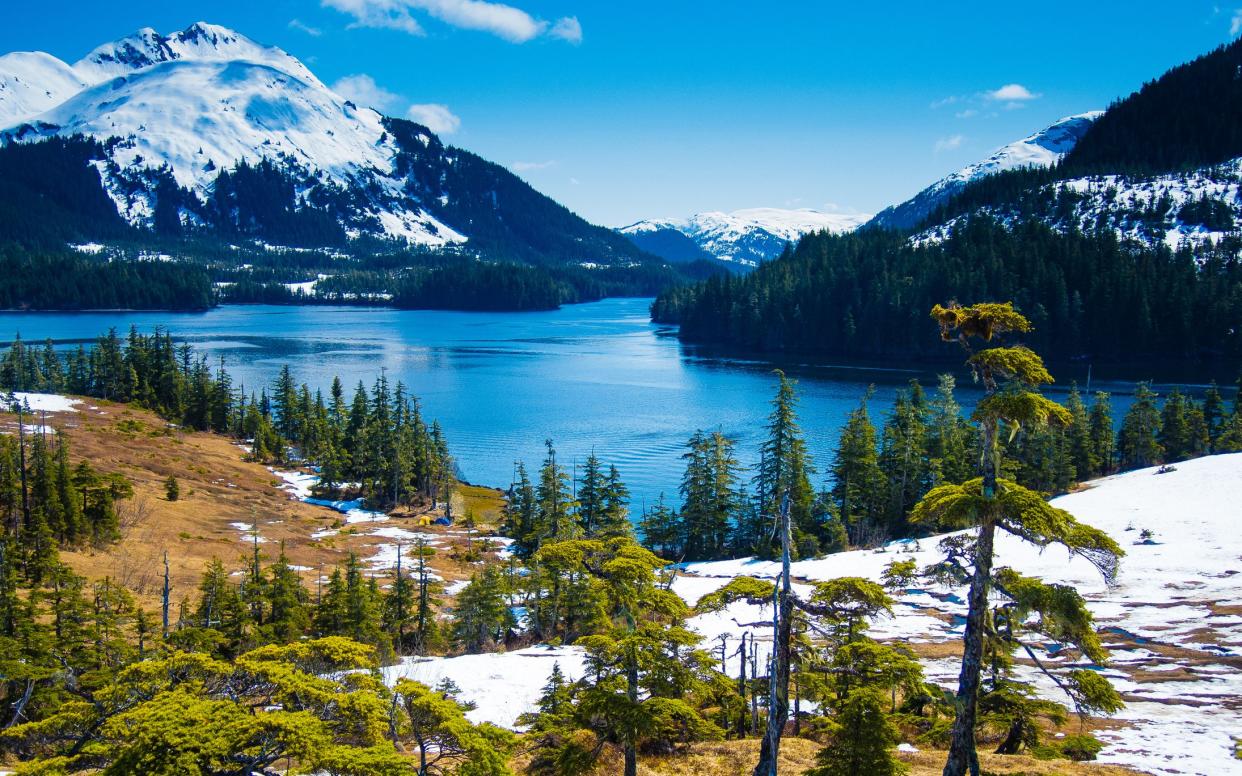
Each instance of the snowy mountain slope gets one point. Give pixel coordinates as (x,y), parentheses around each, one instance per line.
(746,236)
(200,42)
(1180,210)
(32,82)
(179,113)
(1041,149)
(206,98)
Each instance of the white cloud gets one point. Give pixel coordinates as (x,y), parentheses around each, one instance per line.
(437,118)
(567,29)
(528,166)
(391,14)
(1012,93)
(1235,23)
(969,113)
(301,26)
(363,91)
(503,21)
(950,100)
(949,143)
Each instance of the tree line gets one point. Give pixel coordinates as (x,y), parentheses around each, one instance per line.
(60,279)
(1087,295)
(375,440)
(880,469)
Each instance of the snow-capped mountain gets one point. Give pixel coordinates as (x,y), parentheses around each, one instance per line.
(176,112)
(1041,149)
(746,236)
(1180,210)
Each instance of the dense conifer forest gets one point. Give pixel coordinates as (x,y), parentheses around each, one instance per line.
(1089,296)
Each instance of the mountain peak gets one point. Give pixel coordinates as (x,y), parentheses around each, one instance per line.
(1039,149)
(200,42)
(746,236)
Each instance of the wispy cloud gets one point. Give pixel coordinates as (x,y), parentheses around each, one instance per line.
(301,26)
(1011,96)
(528,166)
(434,116)
(503,21)
(389,14)
(567,29)
(949,143)
(1011,93)
(1235,23)
(362,90)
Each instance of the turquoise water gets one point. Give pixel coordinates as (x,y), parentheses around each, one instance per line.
(595,376)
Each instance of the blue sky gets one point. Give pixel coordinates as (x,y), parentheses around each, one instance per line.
(627,110)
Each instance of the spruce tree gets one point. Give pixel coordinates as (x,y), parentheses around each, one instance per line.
(662,530)
(858,483)
(785,468)
(1103,440)
(1011,376)
(1137,443)
(903,457)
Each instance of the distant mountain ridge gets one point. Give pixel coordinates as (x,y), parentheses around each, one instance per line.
(205,131)
(745,237)
(1041,149)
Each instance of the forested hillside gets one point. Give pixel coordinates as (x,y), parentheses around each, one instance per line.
(861,295)
(1186,119)
(64,280)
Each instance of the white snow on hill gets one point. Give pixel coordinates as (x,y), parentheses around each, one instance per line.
(200,101)
(1146,210)
(1173,623)
(1040,149)
(751,235)
(32,82)
(1174,611)
(44,402)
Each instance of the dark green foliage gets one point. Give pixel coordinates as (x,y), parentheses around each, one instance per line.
(50,194)
(861,740)
(172,489)
(1185,119)
(1137,442)
(382,442)
(858,295)
(480,286)
(859,484)
(482,617)
(261,201)
(58,279)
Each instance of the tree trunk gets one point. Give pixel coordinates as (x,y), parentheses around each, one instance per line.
(778,677)
(742,727)
(962,755)
(631,689)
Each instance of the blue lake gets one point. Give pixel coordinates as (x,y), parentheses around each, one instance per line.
(594,376)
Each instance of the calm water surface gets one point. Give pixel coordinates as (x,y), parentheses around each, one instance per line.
(595,376)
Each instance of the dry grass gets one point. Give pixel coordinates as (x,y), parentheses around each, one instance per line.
(218,488)
(738,758)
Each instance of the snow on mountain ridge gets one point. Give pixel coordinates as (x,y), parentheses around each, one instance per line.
(750,235)
(32,82)
(1039,149)
(200,42)
(203,100)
